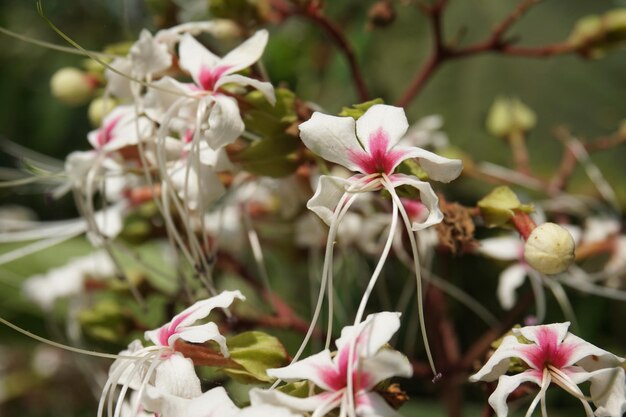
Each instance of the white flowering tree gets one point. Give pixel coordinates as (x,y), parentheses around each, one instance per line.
(244,249)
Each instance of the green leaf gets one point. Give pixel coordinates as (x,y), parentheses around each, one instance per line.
(357,110)
(255,352)
(273,157)
(268,120)
(498,207)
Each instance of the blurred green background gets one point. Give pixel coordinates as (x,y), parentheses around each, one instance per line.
(586,95)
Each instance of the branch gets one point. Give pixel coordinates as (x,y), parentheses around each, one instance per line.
(313,13)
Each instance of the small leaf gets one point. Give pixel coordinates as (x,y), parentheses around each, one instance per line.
(357,110)
(498,207)
(255,352)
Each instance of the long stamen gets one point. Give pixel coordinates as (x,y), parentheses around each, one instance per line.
(545,382)
(418,278)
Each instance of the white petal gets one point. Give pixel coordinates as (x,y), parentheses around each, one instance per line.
(264,411)
(589,356)
(109,221)
(213,403)
(312,368)
(327,195)
(117,84)
(176,376)
(380,117)
(333,138)
(201,334)
(149,56)
(385,364)
(194,56)
(370,404)
(197,190)
(159,101)
(427,196)
(225,124)
(373,333)
(437,167)
(247,53)
(510,280)
(266,88)
(498,363)
(506,385)
(203,308)
(277,398)
(608,392)
(504,248)
(539,334)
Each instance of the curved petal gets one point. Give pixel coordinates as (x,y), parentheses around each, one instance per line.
(225,124)
(506,385)
(197,190)
(266,88)
(385,364)
(203,308)
(314,368)
(158,102)
(277,398)
(510,280)
(194,56)
(176,376)
(327,195)
(213,403)
(370,404)
(540,334)
(498,363)
(589,356)
(200,334)
(372,334)
(381,127)
(117,84)
(247,53)
(333,138)
(608,392)
(437,167)
(504,248)
(427,196)
(149,56)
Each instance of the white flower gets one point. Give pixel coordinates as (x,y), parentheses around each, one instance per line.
(372,364)
(554,355)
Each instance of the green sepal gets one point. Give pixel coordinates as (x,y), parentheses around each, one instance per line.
(255,352)
(499,206)
(357,110)
(298,389)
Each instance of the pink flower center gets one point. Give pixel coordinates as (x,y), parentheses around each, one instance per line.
(105,134)
(380,159)
(337,377)
(548,350)
(415,209)
(209,76)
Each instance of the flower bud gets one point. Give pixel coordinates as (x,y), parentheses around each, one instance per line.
(381,14)
(225,29)
(72,86)
(99,108)
(549,249)
(509,116)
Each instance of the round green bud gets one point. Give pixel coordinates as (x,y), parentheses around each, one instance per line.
(550,249)
(71,86)
(99,108)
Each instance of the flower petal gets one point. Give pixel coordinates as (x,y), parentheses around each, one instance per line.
(247,53)
(327,195)
(194,57)
(177,376)
(213,403)
(510,280)
(201,334)
(371,404)
(504,248)
(266,88)
(506,385)
(203,308)
(277,398)
(333,138)
(589,356)
(264,410)
(385,364)
(381,123)
(608,392)
(437,167)
(372,334)
(539,334)
(498,363)
(315,368)
(225,124)
(197,190)
(427,197)
(149,56)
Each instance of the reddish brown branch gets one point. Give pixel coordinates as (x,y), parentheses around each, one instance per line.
(313,13)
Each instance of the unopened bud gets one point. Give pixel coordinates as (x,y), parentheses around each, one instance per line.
(72,86)
(595,35)
(509,116)
(99,108)
(225,29)
(381,14)
(550,249)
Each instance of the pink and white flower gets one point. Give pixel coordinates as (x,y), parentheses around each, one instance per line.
(552,354)
(372,363)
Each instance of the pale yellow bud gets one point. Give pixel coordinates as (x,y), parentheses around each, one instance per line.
(99,108)
(509,116)
(225,29)
(550,249)
(72,86)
